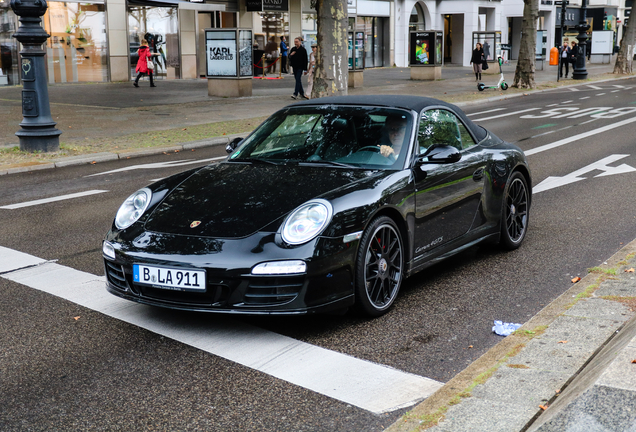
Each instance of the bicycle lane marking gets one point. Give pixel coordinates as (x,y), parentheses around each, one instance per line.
(364,384)
(579,137)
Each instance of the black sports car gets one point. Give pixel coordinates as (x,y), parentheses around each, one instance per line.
(329,203)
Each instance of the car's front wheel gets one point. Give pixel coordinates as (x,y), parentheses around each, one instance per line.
(379,267)
(515,212)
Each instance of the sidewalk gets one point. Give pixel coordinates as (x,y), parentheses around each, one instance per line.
(105,119)
(573,358)
(570,368)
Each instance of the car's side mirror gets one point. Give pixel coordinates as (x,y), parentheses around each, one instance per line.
(440,153)
(233,145)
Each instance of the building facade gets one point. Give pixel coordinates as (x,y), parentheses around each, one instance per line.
(97,40)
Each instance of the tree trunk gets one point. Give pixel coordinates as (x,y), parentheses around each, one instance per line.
(625,56)
(332,67)
(524,74)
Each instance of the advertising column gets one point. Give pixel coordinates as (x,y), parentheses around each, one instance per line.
(229,62)
(425,55)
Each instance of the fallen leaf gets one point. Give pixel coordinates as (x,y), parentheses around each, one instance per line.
(470,346)
(184,129)
(576,279)
(93,163)
(558,391)
(76,318)
(631,270)
(543,407)
(563,342)
(634,361)
(70,127)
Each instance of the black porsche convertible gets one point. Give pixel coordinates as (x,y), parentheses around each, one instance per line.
(328,204)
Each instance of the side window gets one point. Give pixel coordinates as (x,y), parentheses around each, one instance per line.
(467,139)
(439,126)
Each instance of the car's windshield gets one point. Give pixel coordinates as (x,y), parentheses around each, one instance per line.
(335,136)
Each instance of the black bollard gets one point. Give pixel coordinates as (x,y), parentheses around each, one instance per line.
(38,131)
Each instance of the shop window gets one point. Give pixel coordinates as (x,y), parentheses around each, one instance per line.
(159,26)
(77,48)
(417,21)
(8,47)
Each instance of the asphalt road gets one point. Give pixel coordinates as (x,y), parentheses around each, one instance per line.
(58,371)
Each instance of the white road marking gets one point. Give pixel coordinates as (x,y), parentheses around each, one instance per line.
(595,87)
(573,89)
(600,94)
(485,112)
(160,165)
(361,383)
(602,165)
(566,102)
(579,136)
(586,97)
(52,199)
(506,115)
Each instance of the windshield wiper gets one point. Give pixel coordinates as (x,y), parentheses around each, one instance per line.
(327,163)
(255,161)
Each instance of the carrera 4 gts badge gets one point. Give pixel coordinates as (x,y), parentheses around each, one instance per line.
(195,224)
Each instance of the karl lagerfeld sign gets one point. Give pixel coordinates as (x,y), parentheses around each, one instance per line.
(220,47)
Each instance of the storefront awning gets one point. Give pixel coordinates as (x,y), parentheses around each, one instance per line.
(185,5)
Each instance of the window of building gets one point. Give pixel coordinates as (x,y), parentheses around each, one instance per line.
(77,49)
(417,21)
(160,27)
(8,46)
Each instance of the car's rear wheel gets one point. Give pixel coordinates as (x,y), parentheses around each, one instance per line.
(379,267)
(515,212)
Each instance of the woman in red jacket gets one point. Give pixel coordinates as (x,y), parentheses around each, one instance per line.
(142,64)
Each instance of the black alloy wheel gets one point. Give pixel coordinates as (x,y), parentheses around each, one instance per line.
(379,267)
(514,223)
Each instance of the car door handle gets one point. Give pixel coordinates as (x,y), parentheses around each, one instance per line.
(478,175)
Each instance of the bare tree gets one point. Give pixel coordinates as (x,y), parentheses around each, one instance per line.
(625,56)
(332,70)
(524,74)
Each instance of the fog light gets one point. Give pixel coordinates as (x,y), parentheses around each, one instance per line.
(280,267)
(108,250)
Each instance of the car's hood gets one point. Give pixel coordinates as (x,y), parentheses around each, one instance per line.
(237,199)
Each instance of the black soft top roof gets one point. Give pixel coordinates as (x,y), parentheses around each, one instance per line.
(415,103)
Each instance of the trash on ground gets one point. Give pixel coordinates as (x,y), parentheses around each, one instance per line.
(504,329)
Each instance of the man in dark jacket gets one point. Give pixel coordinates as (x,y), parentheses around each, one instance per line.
(566,53)
(298,61)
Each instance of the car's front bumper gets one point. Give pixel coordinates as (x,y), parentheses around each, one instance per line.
(230,286)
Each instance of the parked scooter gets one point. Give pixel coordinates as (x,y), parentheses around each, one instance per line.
(501,84)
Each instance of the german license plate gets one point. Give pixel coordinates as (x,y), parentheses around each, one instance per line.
(169,278)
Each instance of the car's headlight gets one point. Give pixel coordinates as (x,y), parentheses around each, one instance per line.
(132,209)
(307,221)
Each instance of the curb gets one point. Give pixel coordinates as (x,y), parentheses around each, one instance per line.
(108,156)
(496,356)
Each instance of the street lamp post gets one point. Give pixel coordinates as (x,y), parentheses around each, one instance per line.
(580,72)
(38,131)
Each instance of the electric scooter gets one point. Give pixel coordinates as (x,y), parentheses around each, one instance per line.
(501,84)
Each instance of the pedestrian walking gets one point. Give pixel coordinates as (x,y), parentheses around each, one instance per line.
(298,62)
(566,54)
(477,59)
(311,71)
(145,65)
(283,52)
